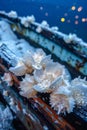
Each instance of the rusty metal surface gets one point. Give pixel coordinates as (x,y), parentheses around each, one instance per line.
(73,54)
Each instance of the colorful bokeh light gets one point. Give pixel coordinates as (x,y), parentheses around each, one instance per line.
(83,19)
(73,8)
(76,17)
(80,9)
(76,22)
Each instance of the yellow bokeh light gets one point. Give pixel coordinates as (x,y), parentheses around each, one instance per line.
(62,19)
(73,8)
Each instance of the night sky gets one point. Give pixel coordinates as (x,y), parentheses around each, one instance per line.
(69,15)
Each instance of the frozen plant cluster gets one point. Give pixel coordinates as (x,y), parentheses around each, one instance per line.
(44,75)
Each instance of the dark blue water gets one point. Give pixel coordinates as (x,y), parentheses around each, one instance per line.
(52,11)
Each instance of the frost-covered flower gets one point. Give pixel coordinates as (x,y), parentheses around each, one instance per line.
(37,59)
(21,69)
(50,78)
(31,61)
(62,101)
(57,69)
(79,81)
(79,91)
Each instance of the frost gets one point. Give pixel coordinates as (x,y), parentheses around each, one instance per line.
(44,23)
(13,14)
(26,21)
(54,28)
(70,38)
(38,29)
(5,119)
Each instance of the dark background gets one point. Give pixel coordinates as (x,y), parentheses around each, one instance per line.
(52,11)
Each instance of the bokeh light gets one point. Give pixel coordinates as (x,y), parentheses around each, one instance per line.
(73,8)
(76,22)
(80,9)
(41,8)
(83,20)
(62,19)
(76,17)
(46,14)
(86,19)
(65,14)
(68,21)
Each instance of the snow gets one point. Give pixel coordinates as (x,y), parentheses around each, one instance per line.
(5,32)
(44,24)
(7,36)
(13,14)
(26,21)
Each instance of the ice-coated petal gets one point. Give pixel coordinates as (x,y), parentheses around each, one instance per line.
(79,81)
(79,91)
(19,70)
(62,103)
(54,68)
(46,60)
(63,90)
(39,75)
(56,83)
(43,86)
(38,55)
(28,59)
